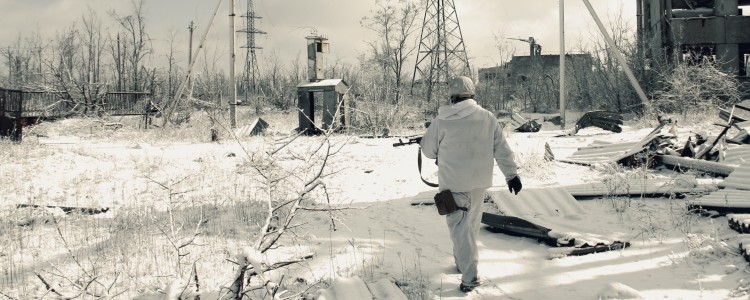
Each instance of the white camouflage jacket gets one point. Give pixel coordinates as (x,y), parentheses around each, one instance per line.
(465,138)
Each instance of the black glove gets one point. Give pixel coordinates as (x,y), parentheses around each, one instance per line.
(514,185)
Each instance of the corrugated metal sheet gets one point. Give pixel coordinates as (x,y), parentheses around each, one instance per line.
(739,179)
(556,209)
(647,187)
(611,152)
(737,155)
(536,202)
(256,127)
(553,208)
(725,198)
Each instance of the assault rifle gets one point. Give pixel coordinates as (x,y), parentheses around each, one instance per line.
(416,139)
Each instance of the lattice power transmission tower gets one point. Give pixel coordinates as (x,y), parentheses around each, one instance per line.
(251,60)
(442,53)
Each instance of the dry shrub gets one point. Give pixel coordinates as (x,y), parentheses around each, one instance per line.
(695,88)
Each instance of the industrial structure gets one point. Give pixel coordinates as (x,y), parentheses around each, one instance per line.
(696,29)
(251,60)
(319,95)
(441,53)
(521,67)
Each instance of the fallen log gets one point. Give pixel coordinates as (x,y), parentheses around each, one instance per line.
(695,164)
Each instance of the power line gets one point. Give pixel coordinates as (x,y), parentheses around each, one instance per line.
(442,53)
(251,59)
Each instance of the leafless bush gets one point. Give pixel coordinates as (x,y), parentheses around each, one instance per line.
(378,117)
(286,191)
(695,88)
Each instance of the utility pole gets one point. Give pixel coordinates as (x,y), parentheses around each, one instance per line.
(442,53)
(251,60)
(562,64)
(119,64)
(191,28)
(232,81)
(172,106)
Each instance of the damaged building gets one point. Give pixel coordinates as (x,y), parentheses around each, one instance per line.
(533,77)
(692,30)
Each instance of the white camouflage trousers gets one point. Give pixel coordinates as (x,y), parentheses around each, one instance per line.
(464,229)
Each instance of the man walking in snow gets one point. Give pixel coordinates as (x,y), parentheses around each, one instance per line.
(465,138)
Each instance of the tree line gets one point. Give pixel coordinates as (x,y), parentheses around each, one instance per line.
(84,60)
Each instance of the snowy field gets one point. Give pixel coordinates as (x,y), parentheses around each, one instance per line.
(163,191)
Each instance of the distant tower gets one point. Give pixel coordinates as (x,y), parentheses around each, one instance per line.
(251,61)
(442,53)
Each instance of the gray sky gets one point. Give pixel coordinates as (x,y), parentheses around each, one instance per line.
(289,21)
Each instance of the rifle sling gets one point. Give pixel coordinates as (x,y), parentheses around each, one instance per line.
(419,165)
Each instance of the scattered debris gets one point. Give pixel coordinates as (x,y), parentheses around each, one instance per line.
(739,222)
(548,155)
(737,155)
(529,126)
(603,119)
(742,137)
(257,127)
(739,179)
(722,202)
(556,120)
(744,246)
(525,125)
(626,153)
(706,149)
(641,187)
(551,216)
(519,227)
(740,116)
(684,163)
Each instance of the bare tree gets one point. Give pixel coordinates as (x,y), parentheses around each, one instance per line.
(274,82)
(76,65)
(494,89)
(610,88)
(17,62)
(394,25)
(136,42)
(172,66)
(24,60)
(37,48)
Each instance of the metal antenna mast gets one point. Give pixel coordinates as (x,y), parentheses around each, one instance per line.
(251,60)
(442,53)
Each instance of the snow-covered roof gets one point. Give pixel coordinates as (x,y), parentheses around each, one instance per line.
(339,85)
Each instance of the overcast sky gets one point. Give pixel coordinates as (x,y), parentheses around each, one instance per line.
(287,22)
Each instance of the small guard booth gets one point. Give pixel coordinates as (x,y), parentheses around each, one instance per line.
(322,105)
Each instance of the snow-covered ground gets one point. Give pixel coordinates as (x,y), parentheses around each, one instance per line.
(673,255)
